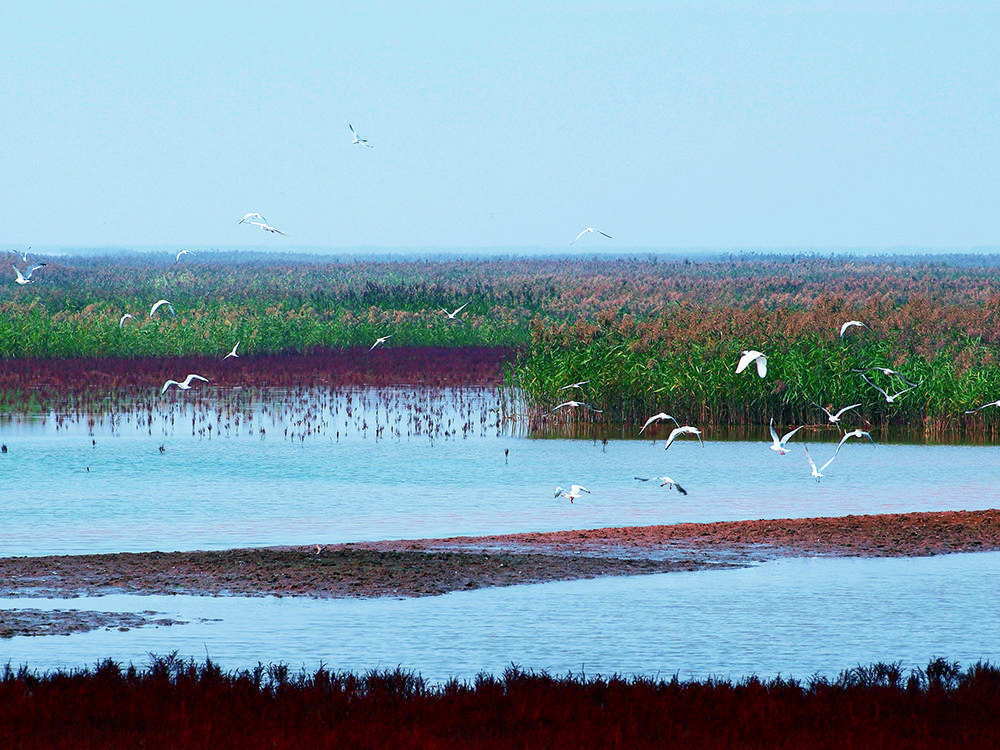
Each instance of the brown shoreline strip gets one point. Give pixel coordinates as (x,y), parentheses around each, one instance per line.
(429,567)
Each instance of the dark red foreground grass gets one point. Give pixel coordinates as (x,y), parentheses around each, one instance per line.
(173,704)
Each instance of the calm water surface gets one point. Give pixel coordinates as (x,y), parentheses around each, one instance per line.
(339,466)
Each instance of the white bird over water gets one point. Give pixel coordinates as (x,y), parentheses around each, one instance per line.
(684,430)
(591,229)
(887,371)
(889,398)
(578,384)
(381,340)
(574,404)
(358,139)
(573,492)
(778,444)
(658,417)
(859,433)
(23,279)
(183,385)
(156,306)
(834,418)
(751,355)
(233,352)
(848,324)
(125,317)
(451,315)
(979,408)
(818,473)
(665,482)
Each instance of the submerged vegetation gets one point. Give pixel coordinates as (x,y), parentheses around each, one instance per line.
(646,333)
(174,703)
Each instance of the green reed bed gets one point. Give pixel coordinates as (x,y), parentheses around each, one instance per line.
(173,703)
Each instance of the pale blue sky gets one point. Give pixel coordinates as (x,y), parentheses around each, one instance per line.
(667,125)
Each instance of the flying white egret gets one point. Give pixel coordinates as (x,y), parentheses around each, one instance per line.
(665,482)
(859,433)
(184,384)
(452,315)
(23,256)
(233,352)
(358,139)
(684,430)
(254,215)
(835,417)
(156,306)
(381,340)
(23,279)
(125,317)
(850,323)
(656,418)
(267,227)
(578,384)
(991,403)
(887,371)
(818,473)
(574,404)
(888,398)
(778,444)
(591,229)
(183,252)
(573,492)
(751,355)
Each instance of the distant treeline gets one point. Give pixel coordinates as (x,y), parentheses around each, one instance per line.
(177,704)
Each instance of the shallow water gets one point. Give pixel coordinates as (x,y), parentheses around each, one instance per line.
(343,466)
(794,617)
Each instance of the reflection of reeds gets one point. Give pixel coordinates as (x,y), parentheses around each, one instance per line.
(173,703)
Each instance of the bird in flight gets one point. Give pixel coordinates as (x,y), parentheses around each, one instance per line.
(184,384)
(358,139)
(750,355)
(685,430)
(658,417)
(778,444)
(573,492)
(451,315)
(991,403)
(181,253)
(578,384)
(887,371)
(888,398)
(591,229)
(23,279)
(665,482)
(834,418)
(818,473)
(233,352)
(575,404)
(859,433)
(260,222)
(157,305)
(850,323)
(381,340)
(125,317)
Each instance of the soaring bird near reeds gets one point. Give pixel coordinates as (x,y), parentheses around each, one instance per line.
(126,316)
(380,340)
(578,384)
(184,384)
(849,324)
(573,492)
(157,305)
(750,355)
(260,222)
(980,408)
(684,430)
(818,473)
(233,352)
(887,371)
(23,279)
(358,139)
(591,229)
(778,444)
(451,315)
(859,433)
(835,417)
(888,398)
(574,404)
(662,416)
(665,482)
